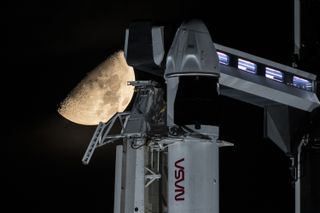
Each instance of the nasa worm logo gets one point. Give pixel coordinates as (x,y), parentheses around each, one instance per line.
(179,178)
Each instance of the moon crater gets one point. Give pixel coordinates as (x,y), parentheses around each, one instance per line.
(101,94)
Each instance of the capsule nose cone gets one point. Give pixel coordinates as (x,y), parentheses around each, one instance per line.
(194,25)
(192,52)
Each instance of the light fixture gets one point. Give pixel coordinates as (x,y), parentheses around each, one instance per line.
(302,83)
(223,58)
(247,66)
(274,74)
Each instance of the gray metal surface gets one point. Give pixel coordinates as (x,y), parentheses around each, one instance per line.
(144,47)
(193,175)
(277,126)
(190,53)
(157,44)
(101,135)
(261,91)
(264,61)
(297,27)
(134,179)
(172,86)
(118,180)
(142,119)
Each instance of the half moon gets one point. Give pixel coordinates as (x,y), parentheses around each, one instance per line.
(101,94)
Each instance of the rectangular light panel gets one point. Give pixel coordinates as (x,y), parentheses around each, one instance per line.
(223,58)
(247,66)
(274,74)
(302,83)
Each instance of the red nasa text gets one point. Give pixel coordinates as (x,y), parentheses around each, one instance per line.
(179,178)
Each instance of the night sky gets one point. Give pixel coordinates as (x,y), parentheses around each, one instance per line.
(49,48)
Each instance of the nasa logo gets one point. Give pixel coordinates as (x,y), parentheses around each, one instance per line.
(179,178)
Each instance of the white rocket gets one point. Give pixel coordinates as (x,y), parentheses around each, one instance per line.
(193,163)
(168,156)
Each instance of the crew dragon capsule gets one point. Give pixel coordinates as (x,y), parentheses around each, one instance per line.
(192,74)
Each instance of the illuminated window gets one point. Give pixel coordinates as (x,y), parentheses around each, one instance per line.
(273,74)
(302,83)
(223,58)
(247,66)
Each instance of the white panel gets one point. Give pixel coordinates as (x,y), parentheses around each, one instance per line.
(193,177)
(308,101)
(134,180)
(117,181)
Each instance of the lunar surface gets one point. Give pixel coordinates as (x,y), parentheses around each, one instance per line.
(101,94)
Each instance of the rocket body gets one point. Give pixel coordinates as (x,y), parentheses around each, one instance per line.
(192,87)
(193,176)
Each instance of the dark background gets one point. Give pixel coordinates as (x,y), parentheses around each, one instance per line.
(51,45)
